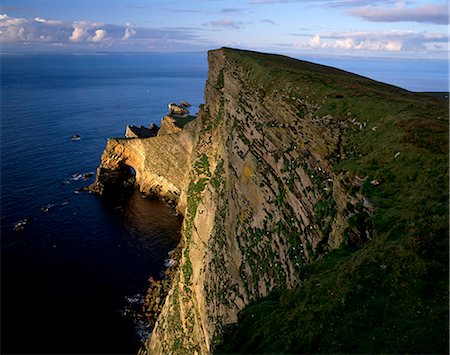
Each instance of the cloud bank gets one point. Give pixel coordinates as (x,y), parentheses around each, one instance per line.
(428,13)
(372,10)
(331,3)
(40,33)
(390,41)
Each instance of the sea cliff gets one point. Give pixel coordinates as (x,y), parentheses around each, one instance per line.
(325,191)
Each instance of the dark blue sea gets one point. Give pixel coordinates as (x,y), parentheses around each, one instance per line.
(66,277)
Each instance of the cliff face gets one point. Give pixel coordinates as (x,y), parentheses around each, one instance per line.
(260,171)
(159,163)
(285,162)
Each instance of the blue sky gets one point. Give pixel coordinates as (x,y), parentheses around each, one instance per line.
(377,28)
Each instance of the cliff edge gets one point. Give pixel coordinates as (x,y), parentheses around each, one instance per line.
(315,207)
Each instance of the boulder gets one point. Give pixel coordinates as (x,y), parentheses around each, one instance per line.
(175,109)
(168,126)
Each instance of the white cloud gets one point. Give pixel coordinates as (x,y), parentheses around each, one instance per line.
(98,36)
(21,30)
(350,42)
(366,9)
(80,32)
(12,29)
(129,32)
(39,33)
(390,41)
(84,31)
(427,13)
(48,22)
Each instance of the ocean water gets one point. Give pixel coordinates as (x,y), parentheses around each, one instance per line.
(66,276)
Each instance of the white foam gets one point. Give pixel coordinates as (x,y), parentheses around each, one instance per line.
(169,262)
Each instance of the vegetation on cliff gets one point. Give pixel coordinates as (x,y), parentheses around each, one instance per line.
(386,291)
(316,212)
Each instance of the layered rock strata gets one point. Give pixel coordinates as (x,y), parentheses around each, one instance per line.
(257,177)
(259,170)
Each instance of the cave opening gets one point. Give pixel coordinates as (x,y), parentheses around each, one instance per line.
(118,183)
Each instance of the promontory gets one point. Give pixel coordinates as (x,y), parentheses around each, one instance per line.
(315,206)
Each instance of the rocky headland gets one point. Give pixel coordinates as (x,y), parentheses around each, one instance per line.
(315,206)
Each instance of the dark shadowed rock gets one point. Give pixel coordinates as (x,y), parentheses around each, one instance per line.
(141,131)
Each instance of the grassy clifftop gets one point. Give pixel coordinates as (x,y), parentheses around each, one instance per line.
(386,288)
(316,214)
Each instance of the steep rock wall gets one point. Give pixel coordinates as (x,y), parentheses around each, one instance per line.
(260,171)
(279,168)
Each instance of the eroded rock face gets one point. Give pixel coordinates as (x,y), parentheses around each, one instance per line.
(260,170)
(255,176)
(159,163)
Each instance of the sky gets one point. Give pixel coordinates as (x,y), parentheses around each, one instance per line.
(416,29)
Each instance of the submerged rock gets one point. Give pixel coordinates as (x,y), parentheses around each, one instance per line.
(45,208)
(87,176)
(81,176)
(159,288)
(144,309)
(20,225)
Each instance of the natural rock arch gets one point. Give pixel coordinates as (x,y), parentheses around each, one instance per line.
(160,163)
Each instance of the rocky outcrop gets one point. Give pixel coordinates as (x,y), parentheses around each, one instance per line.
(168,126)
(180,110)
(158,163)
(141,131)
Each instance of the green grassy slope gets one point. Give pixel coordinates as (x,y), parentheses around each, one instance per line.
(389,295)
